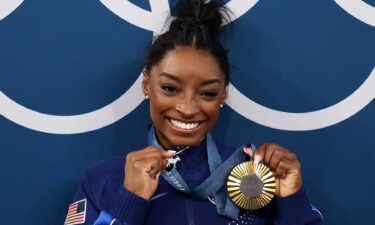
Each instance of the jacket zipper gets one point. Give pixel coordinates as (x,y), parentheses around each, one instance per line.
(189,212)
(188,205)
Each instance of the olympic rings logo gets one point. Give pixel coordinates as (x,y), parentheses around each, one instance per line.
(7,7)
(251,110)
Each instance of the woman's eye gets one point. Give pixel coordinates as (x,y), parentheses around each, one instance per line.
(209,94)
(169,88)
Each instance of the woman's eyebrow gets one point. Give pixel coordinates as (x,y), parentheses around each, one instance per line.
(177,79)
(211,81)
(170,76)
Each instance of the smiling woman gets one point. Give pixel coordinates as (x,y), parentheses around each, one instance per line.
(186,89)
(180,170)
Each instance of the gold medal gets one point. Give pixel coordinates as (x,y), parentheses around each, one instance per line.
(251,185)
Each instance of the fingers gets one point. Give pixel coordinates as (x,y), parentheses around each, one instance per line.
(160,163)
(168,154)
(273,158)
(149,149)
(249,150)
(150,160)
(280,160)
(260,152)
(143,168)
(284,167)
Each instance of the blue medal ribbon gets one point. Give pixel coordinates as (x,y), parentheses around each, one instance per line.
(214,184)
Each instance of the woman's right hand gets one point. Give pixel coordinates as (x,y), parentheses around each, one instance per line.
(142,170)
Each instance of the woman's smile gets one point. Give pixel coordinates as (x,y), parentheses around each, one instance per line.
(183,125)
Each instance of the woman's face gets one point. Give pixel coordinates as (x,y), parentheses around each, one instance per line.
(186,89)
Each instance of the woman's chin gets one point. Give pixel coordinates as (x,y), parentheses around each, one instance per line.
(186,142)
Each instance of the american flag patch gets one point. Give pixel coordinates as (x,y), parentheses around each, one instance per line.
(76,213)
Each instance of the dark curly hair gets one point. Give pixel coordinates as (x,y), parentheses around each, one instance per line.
(194,23)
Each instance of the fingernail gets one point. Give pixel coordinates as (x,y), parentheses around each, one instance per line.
(248,151)
(171,152)
(257,158)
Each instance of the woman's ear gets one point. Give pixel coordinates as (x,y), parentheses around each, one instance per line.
(146,83)
(225,94)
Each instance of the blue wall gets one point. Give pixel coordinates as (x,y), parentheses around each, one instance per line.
(309,65)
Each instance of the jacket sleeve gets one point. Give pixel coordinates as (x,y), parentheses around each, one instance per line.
(295,210)
(127,209)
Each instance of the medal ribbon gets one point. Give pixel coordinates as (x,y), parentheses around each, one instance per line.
(214,184)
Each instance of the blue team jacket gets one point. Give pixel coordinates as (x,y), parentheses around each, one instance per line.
(103,199)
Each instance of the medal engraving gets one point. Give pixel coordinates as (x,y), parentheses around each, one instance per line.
(251,185)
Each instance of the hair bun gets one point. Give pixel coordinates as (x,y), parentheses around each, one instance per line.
(198,14)
(193,23)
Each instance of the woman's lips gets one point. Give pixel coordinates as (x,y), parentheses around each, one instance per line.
(184,126)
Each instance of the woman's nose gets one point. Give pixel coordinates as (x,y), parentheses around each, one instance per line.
(187,108)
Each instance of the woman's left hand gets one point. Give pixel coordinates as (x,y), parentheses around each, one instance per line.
(284,164)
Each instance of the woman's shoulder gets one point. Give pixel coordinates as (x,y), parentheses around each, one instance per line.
(107,166)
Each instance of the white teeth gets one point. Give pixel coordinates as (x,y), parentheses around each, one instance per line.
(185,126)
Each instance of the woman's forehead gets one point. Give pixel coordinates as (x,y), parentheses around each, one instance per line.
(189,62)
